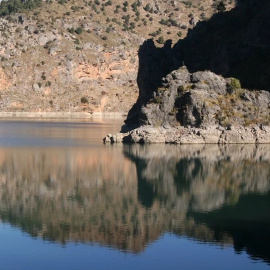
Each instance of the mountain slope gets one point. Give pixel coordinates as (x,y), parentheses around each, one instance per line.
(82,56)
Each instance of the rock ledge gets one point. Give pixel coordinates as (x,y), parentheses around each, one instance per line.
(257,134)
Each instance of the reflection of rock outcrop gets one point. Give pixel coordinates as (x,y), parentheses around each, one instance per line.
(247,222)
(207,177)
(215,186)
(87,196)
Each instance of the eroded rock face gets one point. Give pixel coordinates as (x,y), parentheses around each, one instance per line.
(201,107)
(4,82)
(204,99)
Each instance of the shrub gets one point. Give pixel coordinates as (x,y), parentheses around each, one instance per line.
(71,30)
(78,30)
(84,100)
(43,76)
(235,84)
(160,40)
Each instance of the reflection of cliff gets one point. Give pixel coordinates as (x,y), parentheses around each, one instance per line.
(224,188)
(207,177)
(100,196)
(247,223)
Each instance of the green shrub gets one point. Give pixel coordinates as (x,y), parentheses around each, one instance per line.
(235,84)
(78,30)
(160,40)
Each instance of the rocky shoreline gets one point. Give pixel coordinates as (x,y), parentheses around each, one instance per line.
(199,108)
(72,115)
(214,135)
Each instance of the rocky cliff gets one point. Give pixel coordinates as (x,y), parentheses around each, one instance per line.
(201,107)
(181,100)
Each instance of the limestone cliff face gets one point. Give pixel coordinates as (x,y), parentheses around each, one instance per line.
(111,65)
(203,99)
(4,81)
(60,53)
(44,69)
(106,80)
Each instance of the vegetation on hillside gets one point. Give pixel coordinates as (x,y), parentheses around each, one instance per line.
(159,20)
(16,6)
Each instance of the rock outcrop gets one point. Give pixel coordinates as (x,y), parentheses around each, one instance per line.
(201,107)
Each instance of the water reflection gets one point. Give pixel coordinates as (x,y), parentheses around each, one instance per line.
(126,196)
(223,193)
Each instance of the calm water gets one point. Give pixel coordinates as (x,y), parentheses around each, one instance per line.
(69,202)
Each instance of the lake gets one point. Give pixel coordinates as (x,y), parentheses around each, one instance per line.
(67,201)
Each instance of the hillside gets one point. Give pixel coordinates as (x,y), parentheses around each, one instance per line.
(67,56)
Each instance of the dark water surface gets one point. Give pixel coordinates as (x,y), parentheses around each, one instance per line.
(69,202)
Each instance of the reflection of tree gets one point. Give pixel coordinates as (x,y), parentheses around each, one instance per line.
(127,201)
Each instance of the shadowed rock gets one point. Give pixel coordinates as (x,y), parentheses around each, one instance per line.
(232,44)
